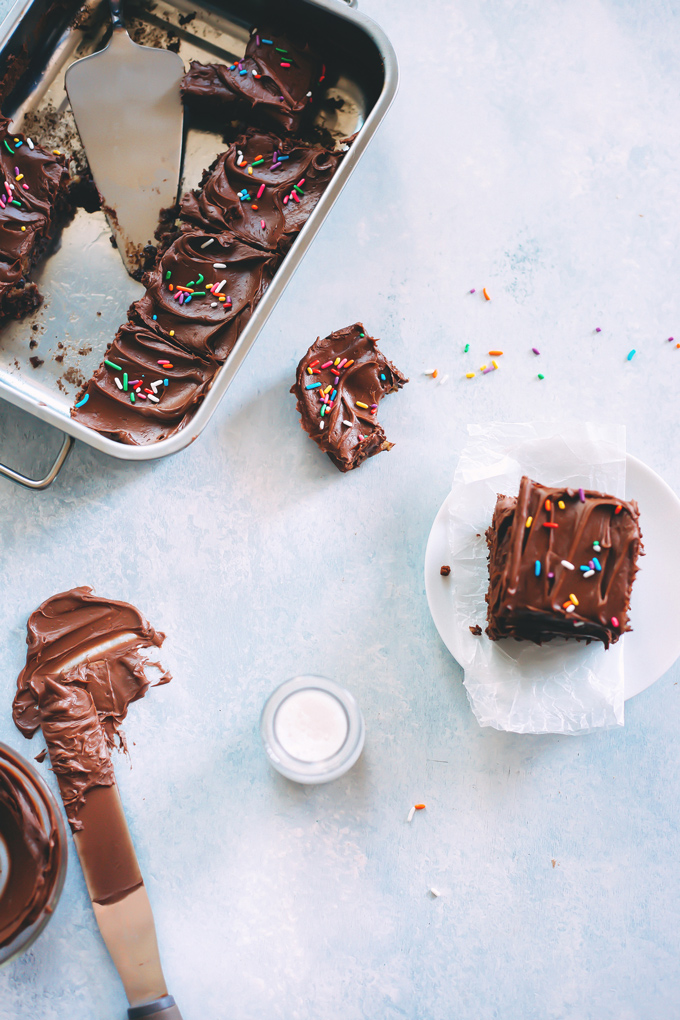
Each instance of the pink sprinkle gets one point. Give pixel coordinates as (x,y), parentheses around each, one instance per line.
(25,187)
(142,396)
(472,291)
(551,575)
(262,224)
(293,195)
(591,564)
(615,621)
(257,40)
(670,339)
(597,329)
(535,350)
(343,362)
(260,191)
(284,64)
(327,364)
(17,171)
(582,495)
(285,201)
(300,183)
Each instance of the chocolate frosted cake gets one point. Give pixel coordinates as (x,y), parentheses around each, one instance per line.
(263,189)
(340,382)
(561,564)
(145,390)
(33,198)
(274,81)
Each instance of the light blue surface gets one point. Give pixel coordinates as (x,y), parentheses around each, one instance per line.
(533,149)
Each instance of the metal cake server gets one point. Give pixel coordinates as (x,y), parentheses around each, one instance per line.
(127,106)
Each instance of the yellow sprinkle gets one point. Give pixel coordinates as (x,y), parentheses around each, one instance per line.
(529,522)
(482,367)
(360,404)
(469,375)
(250,169)
(310,371)
(172,332)
(328,390)
(19,178)
(23,228)
(337,361)
(485,293)
(561,504)
(494,364)
(574,599)
(55,152)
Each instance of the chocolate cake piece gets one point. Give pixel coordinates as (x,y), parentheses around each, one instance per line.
(145,390)
(203,290)
(33,197)
(263,189)
(274,80)
(339,383)
(562,563)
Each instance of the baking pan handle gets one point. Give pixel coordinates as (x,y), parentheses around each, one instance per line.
(164,1008)
(41,483)
(352,3)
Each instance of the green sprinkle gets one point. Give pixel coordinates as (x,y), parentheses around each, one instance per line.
(197,293)
(112,364)
(279,50)
(466,348)
(168,275)
(299,190)
(200,279)
(323,410)
(9,147)
(16,202)
(257,162)
(125,381)
(132,397)
(191,283)
(541,376)
(362,334)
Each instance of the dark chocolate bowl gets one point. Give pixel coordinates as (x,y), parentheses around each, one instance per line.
(32,854)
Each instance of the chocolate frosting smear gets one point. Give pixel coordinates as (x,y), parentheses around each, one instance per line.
(85,666)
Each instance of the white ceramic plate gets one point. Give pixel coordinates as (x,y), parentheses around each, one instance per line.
(654,644)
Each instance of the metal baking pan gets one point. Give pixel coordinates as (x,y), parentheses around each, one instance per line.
(86,289)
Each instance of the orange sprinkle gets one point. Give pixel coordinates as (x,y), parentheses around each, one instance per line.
(419,807)
(548,504)
(170,286)
(495,354)
(254,207)
(486,294)
(618,509)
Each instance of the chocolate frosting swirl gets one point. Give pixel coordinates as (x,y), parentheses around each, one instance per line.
(204,324)
(282,181)
(280,74)
(34,852)
(347,432)
(137,351)
(586,550)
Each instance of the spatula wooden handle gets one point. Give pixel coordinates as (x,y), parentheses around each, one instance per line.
(161,1009)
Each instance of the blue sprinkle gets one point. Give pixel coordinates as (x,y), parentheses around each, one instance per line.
(84,400)
(282,158)
(232,67)
(333,395)
(537,568)
(17,144)
(243,72)
(585,568)
(155,317)
(267,42)
(598,565)
(631,355)
(313,386)
(165,382)
(187,299)
(382,376)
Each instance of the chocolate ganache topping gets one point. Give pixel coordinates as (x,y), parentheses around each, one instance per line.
(561,563)
(263,189)
(184,291)
(30,838)
(274,80)
(339,383)
(145,390)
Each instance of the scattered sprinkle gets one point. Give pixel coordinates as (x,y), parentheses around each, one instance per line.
(419,807)
(582,495)
(567,565)
(541,376)
(209,241)
(409,817)
(537,568)
(535,350)
(344,420)
(30,143)
(466,348)
(469,375)
(434,892)
(112,364)
(441,381)
(588,573)
(561,504)
(472,290)
(615,621)
(597,329)
(83,401)
(631,355)
(570,607)
(549,524)
(486,294)
(574,599)
(495,354)
(529,522)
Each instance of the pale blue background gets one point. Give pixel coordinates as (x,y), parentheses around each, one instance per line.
(534,149)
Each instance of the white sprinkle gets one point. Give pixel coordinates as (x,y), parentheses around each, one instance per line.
(29,143)
(214,304)
(118,382)
(209,241)
(588,573)
(443,380)
(219,265)
(409,817)
(571,608)
(150,397)
(568,565)
(345,422)
(579,623)
(154,386)
(321,425)
(308,94)
(219,287)
(431,372)
(434,892)
(159,382)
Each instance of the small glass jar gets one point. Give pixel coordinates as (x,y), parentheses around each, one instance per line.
(312,729)
(20,776)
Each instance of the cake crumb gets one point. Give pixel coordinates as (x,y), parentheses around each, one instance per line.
(476,630)
(445,570)
(41,755)
(36,361)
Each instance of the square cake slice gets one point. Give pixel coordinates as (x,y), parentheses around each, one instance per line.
(561,564)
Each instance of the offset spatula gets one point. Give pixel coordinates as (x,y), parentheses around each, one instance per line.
(128,110)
